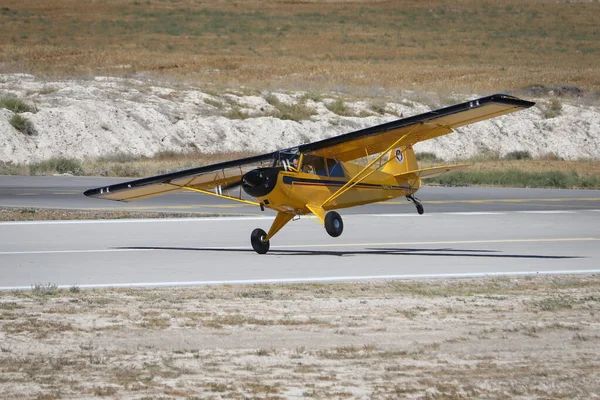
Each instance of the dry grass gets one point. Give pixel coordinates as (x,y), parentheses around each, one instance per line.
(523,337)
(469,46)
(549,172)
(42,214)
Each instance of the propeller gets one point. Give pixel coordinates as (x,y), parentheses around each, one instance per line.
(252,178)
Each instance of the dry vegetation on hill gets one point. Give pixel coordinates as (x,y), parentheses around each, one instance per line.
(468,46)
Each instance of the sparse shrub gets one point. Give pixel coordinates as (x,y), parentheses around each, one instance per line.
(427,156)
(7,168)
(293,112)
(60,165)
(237,113)
(215,103)
(518,155)
(554,303)
(311,96)
(257,294)
(166,155)
(485,154)
(379,108)
(22,124)
(74,289)
(119,157)
(15,105)
(338,107)
(264,352)
(124,171)
(553,110)
(39,289)
(551,156)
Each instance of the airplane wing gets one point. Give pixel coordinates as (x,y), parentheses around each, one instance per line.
(209,179)
(416,129)
(220,178)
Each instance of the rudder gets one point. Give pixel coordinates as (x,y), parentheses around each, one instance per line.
(404,161)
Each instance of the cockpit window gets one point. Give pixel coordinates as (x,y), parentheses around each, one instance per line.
(335,168)
(314,165)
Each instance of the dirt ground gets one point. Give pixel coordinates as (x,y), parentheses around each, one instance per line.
(535,337)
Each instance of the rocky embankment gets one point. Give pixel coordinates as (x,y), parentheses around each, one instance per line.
(101,116)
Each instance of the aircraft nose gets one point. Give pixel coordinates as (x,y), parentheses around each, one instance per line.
(253,178)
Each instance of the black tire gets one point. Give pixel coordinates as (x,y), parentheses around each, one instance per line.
(334,224)
(420,209)
(259,245)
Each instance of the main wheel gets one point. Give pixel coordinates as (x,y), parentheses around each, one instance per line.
(420,208)
(334,224)
(259,244)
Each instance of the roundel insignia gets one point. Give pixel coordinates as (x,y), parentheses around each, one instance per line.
(399,156)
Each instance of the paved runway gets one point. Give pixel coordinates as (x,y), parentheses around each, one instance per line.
(67,192)
(217,250)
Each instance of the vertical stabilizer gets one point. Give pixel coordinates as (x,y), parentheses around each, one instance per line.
(401,162)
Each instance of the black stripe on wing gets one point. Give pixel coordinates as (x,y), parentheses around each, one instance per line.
(428,116)
(153,180)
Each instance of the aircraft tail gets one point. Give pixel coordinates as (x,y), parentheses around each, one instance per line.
(404,162)
(405,167)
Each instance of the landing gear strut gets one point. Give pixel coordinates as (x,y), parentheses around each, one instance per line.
(417,204)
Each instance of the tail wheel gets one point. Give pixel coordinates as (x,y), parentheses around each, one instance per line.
(420,208)
(334,224)
(259,244)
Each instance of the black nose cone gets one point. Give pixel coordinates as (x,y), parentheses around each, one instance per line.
(260,182)
(253,178)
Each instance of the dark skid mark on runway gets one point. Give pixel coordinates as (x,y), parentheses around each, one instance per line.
(445,252)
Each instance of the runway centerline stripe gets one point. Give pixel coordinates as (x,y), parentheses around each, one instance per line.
(113,250)
(485,201)
(547,212)
(317,279)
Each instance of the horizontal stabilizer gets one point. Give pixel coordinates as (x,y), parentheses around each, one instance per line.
(430,172)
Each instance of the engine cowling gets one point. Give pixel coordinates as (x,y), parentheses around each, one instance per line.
(260,182)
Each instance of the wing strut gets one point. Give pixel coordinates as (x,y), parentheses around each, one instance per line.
(352,182)
(253,203)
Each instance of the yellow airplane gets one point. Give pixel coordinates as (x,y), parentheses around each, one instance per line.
(319,177)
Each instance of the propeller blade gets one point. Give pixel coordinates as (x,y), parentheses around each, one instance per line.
(232,185)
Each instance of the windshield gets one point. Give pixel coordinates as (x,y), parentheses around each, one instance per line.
(287,158)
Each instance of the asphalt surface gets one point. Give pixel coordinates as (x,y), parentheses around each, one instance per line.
(464,232)
(217,250)
(67,192)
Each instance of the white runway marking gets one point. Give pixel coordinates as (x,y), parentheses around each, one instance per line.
(11,253)
(315,279)
(547,212)
(341,245)
(141,220)
(475,213)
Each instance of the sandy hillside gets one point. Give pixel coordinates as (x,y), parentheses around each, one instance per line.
(494,338)
(101,116)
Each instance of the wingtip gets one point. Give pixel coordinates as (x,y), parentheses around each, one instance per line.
(90,192)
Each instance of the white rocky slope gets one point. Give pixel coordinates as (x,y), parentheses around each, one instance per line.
(101,116)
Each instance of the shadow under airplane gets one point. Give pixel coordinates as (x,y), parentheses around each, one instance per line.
(443,252)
